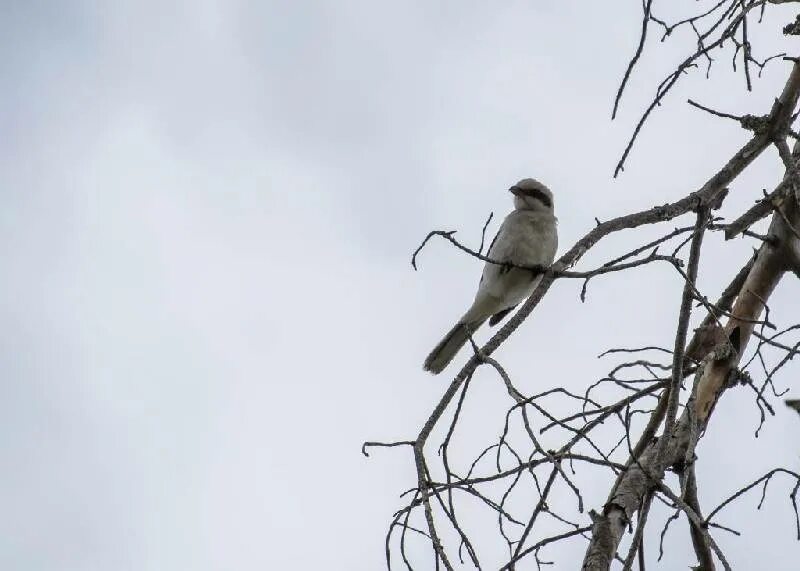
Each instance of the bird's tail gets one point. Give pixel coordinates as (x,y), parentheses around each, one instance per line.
(447,348)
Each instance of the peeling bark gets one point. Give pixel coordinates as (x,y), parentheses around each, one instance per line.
(771,262)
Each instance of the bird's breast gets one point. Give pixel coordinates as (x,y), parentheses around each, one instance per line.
(530,240)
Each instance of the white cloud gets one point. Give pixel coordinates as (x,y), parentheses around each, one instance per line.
(207,216)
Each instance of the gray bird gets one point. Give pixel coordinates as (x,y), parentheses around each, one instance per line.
(526,237)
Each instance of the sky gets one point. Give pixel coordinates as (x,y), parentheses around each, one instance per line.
(207,212)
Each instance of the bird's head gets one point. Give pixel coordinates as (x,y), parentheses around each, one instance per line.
(530,194)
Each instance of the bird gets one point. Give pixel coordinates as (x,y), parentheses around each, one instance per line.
(526,237)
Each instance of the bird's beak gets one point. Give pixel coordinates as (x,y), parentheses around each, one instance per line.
(515,190)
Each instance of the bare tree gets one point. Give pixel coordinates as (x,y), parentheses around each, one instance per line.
(655,429)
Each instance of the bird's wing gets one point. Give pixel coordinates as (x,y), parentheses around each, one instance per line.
(489,251)
(497,279)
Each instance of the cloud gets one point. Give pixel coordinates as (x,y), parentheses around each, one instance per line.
(207,217)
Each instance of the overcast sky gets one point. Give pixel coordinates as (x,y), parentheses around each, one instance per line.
(208,210)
